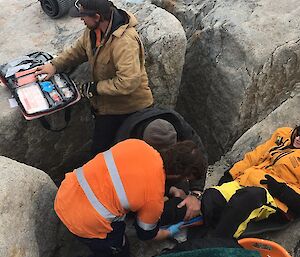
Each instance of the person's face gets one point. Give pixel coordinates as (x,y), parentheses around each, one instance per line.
(296,142)
(92,22)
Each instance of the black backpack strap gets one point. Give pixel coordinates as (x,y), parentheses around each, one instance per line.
(45,123)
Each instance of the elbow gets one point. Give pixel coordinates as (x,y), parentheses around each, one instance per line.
(127,86)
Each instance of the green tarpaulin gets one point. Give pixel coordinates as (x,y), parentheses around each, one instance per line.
(215,252)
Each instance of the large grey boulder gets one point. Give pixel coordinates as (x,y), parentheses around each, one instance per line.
(241,63)
(28,224)
(165,45)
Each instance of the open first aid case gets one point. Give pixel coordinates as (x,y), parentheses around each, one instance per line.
(36,97)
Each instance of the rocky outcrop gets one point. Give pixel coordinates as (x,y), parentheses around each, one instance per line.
(241,68)
(241,63)
(28,224)
(165,45)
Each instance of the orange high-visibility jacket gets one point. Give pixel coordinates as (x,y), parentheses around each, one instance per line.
(140,169)
(274,158)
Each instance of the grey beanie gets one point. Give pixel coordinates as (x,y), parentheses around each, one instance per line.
(160,134)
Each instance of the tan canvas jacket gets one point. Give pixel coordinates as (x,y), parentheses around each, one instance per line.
(118,68)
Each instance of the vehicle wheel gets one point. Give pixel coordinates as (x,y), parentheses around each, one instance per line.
(56,8)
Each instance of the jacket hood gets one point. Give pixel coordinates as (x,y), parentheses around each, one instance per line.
(132,22)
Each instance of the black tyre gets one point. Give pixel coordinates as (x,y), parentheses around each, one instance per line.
(56,8)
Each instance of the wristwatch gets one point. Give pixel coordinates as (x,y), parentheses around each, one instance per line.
(198,195)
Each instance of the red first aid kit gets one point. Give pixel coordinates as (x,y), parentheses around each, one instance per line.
(36,97)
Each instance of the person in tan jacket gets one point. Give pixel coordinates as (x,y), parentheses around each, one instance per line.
(114,50)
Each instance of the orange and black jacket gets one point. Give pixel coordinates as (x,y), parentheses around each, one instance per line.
(277,158)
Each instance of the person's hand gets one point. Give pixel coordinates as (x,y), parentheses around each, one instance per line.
(274,187)
(174,229)
(176,192)
(88,89)
(193,206)
(47,68)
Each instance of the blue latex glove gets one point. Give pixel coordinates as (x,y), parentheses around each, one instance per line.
(47,86)
(174,229)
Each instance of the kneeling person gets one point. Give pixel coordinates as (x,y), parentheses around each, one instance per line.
(93,200)
(162,128)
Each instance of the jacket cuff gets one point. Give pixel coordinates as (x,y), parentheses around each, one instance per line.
(146,234)
(59,67)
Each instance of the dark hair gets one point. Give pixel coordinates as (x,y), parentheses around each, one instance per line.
(102,7)
(184,159)
(295,133)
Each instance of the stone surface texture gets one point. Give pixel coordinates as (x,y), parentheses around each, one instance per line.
(28,224)
(54,152)
(165,44)
(242,62)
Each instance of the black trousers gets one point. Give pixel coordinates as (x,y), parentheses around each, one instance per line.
(112,246)
(106,127)
(225,217)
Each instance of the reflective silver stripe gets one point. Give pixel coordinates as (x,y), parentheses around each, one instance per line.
(121,218)
(146,226)
(115,177)
(91,196)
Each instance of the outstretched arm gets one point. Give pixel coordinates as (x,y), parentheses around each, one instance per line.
(283,193)
(72,56)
